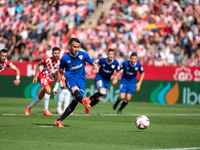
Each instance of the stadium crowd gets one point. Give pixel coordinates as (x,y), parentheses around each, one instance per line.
(162,32)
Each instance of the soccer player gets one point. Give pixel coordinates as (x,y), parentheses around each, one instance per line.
(4,62)
(46,78)
(64,95)
(102,78)
(128,81)
(74,64)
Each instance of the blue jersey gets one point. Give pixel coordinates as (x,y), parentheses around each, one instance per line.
(130,71)
(75,65)
(106,70)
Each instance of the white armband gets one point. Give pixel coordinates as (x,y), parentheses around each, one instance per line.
(17,77)
(56,87)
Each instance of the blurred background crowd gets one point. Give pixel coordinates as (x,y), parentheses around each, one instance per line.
(162,32)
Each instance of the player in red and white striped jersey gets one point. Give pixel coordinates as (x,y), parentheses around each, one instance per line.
(46,78)
(4,62)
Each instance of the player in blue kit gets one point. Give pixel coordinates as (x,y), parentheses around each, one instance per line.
(128,81)
(102,78)
(74,64)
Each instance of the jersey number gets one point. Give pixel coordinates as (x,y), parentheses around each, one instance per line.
(44,81)
(99,83)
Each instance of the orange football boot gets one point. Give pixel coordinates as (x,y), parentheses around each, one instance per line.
(47,113)
(58,124)
(86,102)
(27,112)
(86,111)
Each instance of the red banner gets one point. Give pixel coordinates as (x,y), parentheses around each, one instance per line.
(180,73)
(26,69)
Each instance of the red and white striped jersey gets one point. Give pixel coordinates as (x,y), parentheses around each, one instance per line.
(82,35)
(50,68)
(5,64)
(141,52)
(81,10)
(72,9)
(176,27)
(27,9)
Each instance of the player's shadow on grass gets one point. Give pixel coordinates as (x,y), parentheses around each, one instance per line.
(138,131)
(50,125)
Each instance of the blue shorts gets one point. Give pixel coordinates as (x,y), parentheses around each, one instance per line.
(80,83)
(126,87)
(100,82)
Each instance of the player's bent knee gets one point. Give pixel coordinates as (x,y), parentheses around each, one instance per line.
(126,100)
(99,98)
(48,91)
(102,92)
(74,89)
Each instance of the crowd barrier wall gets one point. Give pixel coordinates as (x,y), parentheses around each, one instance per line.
(162,85)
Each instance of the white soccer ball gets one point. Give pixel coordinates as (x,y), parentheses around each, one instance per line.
(142,122)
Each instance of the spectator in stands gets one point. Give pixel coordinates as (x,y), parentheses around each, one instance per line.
(159,61)
(170,58)
(80,12)
(90,6)
(33,27)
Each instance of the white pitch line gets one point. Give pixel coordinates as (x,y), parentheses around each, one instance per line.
(46,126)
(12,114)
(109,115)
(189,148)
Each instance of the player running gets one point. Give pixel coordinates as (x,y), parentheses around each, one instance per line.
(4,62)
(64,95)
(128,81)
(46,78)
(74,64)
(102,78)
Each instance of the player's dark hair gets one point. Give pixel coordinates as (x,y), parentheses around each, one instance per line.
(111,50)
(4,51)
(74,40)
(55,49)
(133,54)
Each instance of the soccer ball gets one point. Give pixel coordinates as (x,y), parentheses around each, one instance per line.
(142,122)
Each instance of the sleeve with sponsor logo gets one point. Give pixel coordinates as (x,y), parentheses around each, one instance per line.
(118,68)
(88,58)
(141,69)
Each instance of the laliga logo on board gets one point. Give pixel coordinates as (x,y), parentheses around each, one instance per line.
(182,74)
(165,94)
(32,90)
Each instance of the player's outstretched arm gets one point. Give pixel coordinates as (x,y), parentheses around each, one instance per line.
(59,76)
(89,73)
(115,80)
(36,73)
(138,85)
(17,80)
(95,66)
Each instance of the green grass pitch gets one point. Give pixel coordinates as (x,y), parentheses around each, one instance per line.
(171,127)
